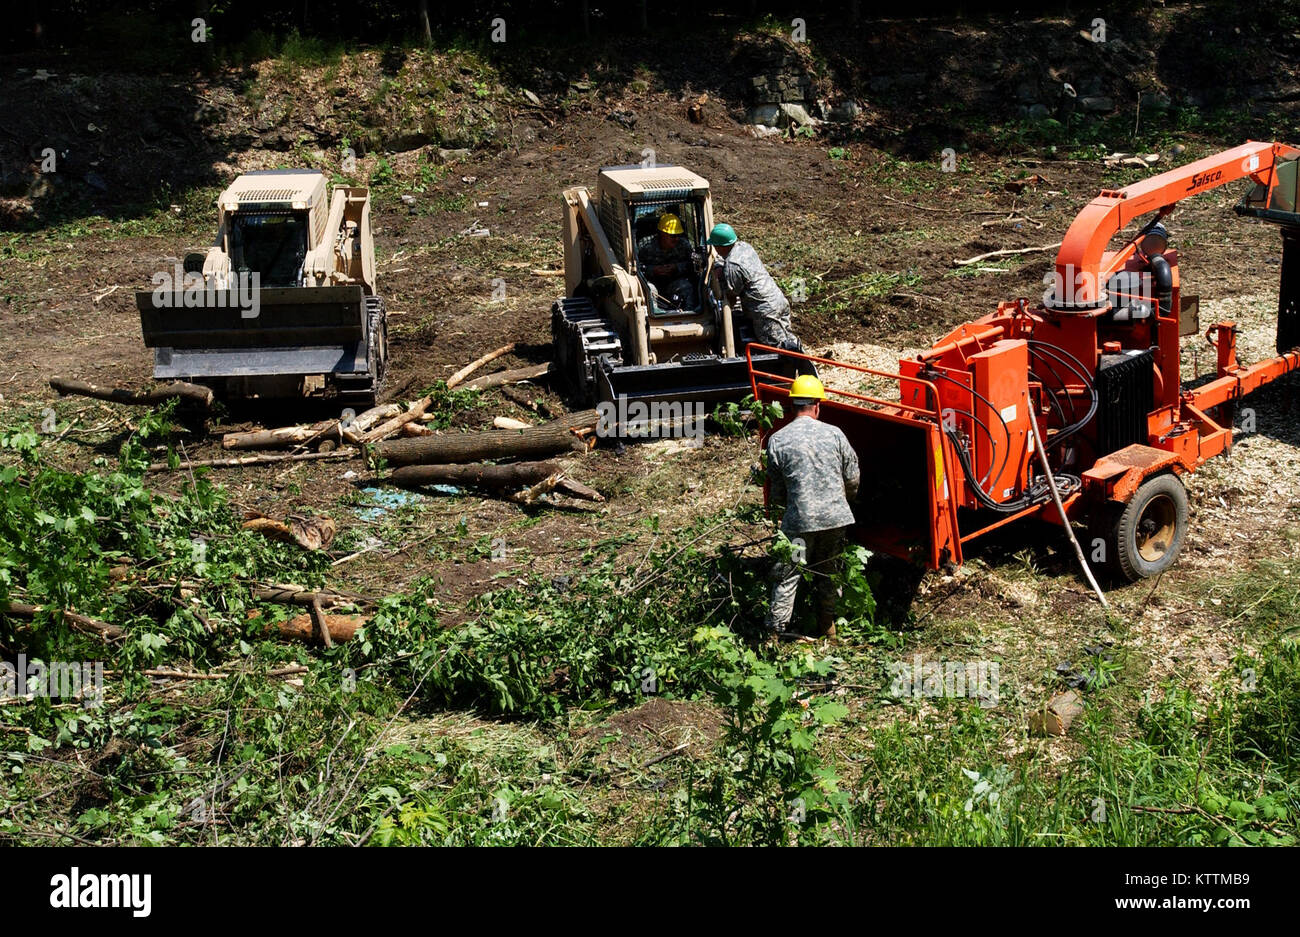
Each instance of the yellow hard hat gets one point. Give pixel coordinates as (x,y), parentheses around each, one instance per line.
(670,224)
(807,387)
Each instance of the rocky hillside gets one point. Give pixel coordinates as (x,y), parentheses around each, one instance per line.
(124,141)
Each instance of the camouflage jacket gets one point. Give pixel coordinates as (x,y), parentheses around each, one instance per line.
(744,275)
(813,469)
(650,255)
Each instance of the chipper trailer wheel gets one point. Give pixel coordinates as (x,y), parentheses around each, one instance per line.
(1147,533)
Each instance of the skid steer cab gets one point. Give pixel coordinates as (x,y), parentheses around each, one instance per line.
(644,322)
(283,304)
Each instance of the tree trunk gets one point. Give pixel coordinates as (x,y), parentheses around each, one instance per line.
(424,23)
(277,438)
(548,439)
(492,477)
(154,395)
(532,372)
(290,435)
(75,621)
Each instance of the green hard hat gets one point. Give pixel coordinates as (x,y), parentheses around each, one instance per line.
(722,235)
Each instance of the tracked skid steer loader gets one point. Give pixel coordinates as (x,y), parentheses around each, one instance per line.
(284,302)
(619,340)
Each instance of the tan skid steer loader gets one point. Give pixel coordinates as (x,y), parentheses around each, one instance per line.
(618,337)
(283,304)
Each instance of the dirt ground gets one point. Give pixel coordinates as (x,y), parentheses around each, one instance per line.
(68,310)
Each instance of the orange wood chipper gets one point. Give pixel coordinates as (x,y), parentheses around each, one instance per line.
(1095,366)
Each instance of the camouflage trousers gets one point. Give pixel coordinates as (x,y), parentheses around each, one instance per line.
(822,554)
(773,328)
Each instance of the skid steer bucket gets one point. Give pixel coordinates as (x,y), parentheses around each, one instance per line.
(706,379)
(288,334)
(905,505)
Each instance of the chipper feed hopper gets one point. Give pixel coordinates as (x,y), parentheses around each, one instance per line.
(283,304)
(949,451)
(615,337)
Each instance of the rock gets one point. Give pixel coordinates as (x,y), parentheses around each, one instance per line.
(845,112)
(762,132)
(1027,93)
(533,99)
(764,114)
(796,114)
(1097,104)
(453,156)
(1039,112)
(408,199)
(281,140)
(1177,149)
(1158,102)
(96,181)
(624,118)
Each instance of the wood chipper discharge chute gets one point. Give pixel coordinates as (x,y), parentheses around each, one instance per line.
(284,302)
(1088,380)
(625,332)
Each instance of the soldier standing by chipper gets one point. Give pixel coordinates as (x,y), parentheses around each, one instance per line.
(813,470)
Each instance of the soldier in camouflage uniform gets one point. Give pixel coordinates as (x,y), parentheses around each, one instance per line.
(669,268)
(745,277)
(813,470)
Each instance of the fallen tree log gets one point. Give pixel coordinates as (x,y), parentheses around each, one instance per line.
(474,365)
(384,430)
(194,393)
(1005,253)
(76,622)
(276,438)
(236,461)
(310,533)
(547,439)
(492,477)
(530,373)
(325,429)
(293,595)
(337,628)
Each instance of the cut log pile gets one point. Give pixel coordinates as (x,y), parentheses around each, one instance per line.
(395,437)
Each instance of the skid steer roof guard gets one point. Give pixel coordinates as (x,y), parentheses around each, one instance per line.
(905,505)
(636,183)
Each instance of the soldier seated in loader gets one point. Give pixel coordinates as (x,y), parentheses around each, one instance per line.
(666,259)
